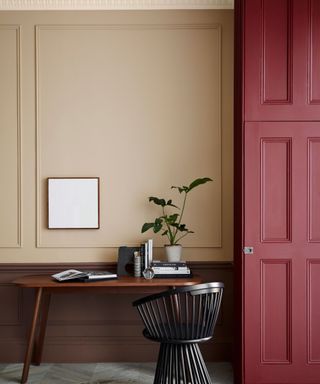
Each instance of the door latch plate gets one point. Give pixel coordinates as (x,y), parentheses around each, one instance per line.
(248,250)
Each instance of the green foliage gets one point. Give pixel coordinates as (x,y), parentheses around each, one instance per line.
(170,224)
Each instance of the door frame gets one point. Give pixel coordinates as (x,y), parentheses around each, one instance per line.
(238,191)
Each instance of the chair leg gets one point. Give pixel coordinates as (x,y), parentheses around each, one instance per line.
(203,372)
(160,365)
(181,364)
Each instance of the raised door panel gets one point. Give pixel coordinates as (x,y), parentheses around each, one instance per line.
(313,190)
(313,311)
(314,52)
(275,189)
(276,71)
(276,331)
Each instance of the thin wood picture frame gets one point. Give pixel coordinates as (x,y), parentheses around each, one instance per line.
(73,202)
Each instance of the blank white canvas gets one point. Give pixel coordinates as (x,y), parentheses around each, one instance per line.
(73,203)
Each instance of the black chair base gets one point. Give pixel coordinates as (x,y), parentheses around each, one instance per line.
(181,364)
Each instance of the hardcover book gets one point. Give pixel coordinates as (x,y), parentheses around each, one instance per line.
(174,264)
(172,275)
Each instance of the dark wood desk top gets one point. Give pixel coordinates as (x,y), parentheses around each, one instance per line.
(45,281)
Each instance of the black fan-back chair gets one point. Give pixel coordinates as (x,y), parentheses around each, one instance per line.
(180,319)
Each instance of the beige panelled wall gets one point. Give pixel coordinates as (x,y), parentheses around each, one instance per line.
(141,99)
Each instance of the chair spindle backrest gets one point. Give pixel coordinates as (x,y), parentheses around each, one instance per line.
(188,313)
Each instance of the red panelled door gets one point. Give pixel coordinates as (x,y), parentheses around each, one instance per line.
(281,300)
(282,276)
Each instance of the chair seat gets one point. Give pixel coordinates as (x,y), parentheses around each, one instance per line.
(147,335)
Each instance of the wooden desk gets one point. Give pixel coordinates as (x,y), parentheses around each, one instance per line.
(45,285)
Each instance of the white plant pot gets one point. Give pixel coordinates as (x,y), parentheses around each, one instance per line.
(173,252)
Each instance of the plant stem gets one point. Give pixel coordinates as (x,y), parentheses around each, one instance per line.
(183,236)
(170,235)
(182,210)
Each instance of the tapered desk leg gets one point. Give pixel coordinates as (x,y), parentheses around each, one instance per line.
(29,351)
(39,341)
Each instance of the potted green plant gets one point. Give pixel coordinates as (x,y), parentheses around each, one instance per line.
(170,222)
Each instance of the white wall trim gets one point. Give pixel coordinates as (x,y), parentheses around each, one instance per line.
(39,5)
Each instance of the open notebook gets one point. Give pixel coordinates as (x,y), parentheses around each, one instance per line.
(86,276)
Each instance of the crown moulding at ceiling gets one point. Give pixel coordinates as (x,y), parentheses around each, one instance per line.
(54,5)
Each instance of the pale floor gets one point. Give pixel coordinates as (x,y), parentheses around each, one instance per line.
(101,373)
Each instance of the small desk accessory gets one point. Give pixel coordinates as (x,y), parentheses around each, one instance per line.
(125,265)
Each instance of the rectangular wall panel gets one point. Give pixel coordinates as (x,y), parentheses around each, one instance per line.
(276,82)
(275,311)
(313,311)
(10,172)
(314,52)
(126,68)
(276,190)
(11,304)
(313,189)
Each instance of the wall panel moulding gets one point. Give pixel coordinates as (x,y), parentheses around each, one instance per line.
(38,5)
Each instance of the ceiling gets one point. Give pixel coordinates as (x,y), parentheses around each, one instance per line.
(38,5)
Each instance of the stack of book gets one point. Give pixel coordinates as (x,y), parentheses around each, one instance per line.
(171,269)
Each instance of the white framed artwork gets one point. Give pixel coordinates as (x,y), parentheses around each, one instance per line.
(73,202)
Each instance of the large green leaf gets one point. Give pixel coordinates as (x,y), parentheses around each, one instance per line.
(169,202)
(198,182)
(182,227)
(157,225)
(158,201)
(180,189)
(146,227)
(172,218)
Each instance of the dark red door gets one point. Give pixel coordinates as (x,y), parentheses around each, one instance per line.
(282,275)
(277,143)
